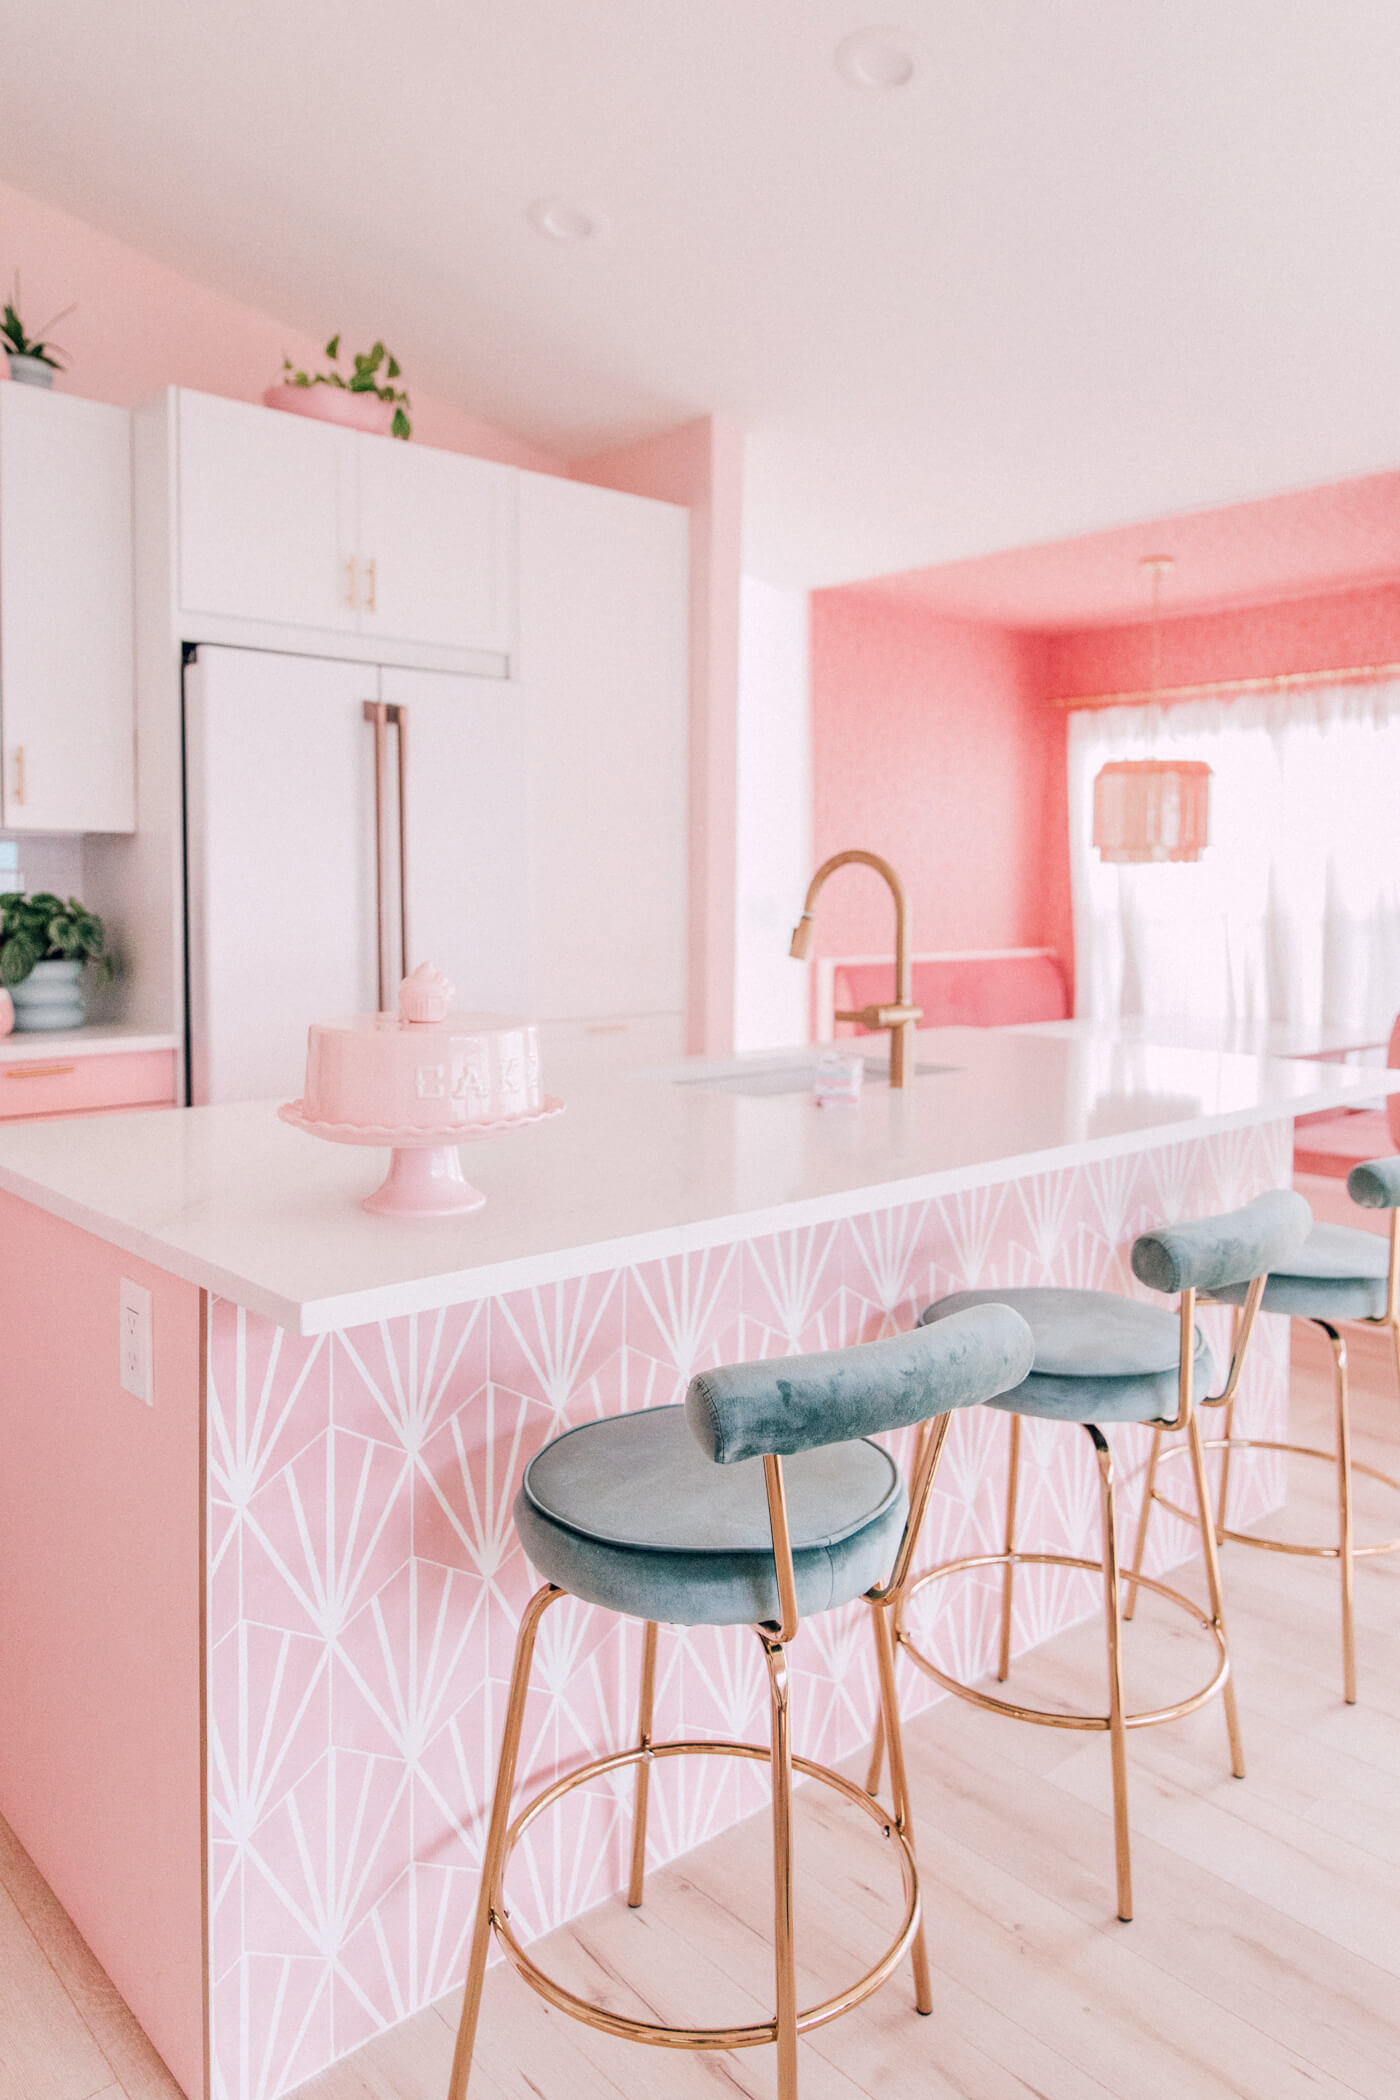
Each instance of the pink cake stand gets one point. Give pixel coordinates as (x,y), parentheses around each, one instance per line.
(425,1178)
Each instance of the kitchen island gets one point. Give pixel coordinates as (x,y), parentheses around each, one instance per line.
(254,1635)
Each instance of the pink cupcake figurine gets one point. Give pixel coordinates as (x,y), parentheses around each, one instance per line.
(425,996)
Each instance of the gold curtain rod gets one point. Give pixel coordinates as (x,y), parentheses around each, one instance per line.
(1281,681)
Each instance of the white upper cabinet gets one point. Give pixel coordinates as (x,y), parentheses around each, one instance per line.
(323,539)
(266,515)
(604,665)
(66,668)
(436,538)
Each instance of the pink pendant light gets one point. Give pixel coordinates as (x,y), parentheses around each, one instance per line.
(1149,809)
(1152,809)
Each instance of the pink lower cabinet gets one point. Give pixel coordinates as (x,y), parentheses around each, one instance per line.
(52,1084)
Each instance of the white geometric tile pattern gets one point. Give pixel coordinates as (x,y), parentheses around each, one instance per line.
(365,1583)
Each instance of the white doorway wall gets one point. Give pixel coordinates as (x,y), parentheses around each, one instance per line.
(774,815)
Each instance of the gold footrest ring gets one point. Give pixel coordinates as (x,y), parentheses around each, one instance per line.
(746,2037)
(1249,1538)
(1046,1717)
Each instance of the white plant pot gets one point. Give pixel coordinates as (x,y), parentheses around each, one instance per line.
(51,996)
(29,371)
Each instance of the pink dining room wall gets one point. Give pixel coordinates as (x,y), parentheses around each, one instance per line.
(139,325)
(1328,632)
(931,744)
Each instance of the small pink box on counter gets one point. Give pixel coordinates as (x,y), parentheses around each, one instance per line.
(837,1078)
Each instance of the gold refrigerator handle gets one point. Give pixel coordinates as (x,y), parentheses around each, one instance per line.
(383,718)
(399,717)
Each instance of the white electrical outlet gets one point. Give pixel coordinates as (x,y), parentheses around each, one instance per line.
(136,1341)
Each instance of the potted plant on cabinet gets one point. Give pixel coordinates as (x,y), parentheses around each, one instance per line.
(366,400)
(30,358)
(44,947)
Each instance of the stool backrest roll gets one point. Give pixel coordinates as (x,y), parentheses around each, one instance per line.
(796,1403)
(1208,1254)
(1375,1184)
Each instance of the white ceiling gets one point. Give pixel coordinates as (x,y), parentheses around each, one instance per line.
(1100,260)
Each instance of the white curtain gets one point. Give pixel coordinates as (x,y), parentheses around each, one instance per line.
(1293,912)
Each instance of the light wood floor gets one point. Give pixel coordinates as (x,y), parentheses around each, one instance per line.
(1264,1962)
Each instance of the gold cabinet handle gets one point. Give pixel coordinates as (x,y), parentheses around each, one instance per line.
(38,1071)
(352,596)
(19,772)
(372,566)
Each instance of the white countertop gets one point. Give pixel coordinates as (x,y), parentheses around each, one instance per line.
(1250,1038)
(638,1167)
(97,1040)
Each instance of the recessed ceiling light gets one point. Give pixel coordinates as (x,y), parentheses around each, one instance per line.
(876,59)
(558,220)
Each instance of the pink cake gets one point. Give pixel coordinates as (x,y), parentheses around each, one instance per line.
(423,1068)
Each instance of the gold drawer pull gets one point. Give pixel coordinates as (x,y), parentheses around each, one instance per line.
(38,1071)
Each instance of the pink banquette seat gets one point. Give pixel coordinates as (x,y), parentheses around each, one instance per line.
(991,988)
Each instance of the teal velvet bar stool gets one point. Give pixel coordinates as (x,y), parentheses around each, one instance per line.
(1340,1273)
(1101,1359)
(759,1502)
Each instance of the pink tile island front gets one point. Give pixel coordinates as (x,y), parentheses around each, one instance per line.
(254,1638)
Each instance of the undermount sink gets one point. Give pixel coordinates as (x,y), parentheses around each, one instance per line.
(794,1077)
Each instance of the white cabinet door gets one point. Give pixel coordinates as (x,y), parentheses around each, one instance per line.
(436,546)
(280,810)
(604,642)
(66,668)
(467,839)
(266,516)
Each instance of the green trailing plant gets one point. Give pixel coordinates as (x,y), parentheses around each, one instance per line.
(15,339)
(374,372)
(42,928)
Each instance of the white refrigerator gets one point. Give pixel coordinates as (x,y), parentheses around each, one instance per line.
(343,823)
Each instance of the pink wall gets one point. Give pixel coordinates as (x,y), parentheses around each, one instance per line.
(1328,633)
(702,465)
(931,745)
(140,326)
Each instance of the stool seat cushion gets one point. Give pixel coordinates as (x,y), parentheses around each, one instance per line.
(1099,1357)
(1339,1273)
(630,1513)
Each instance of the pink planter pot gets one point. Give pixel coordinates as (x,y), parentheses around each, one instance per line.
(334,404)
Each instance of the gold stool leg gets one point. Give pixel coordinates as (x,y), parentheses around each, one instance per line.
(784,1958)
(899,1785)
(877,1754)
(1144,1518)
(643,1779)
(1117,1733)
(1227,1438)
(1346,1538)
(1217,1607)
(1227,1435)
(1008,1573)
(496,1838)
(922,1448)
